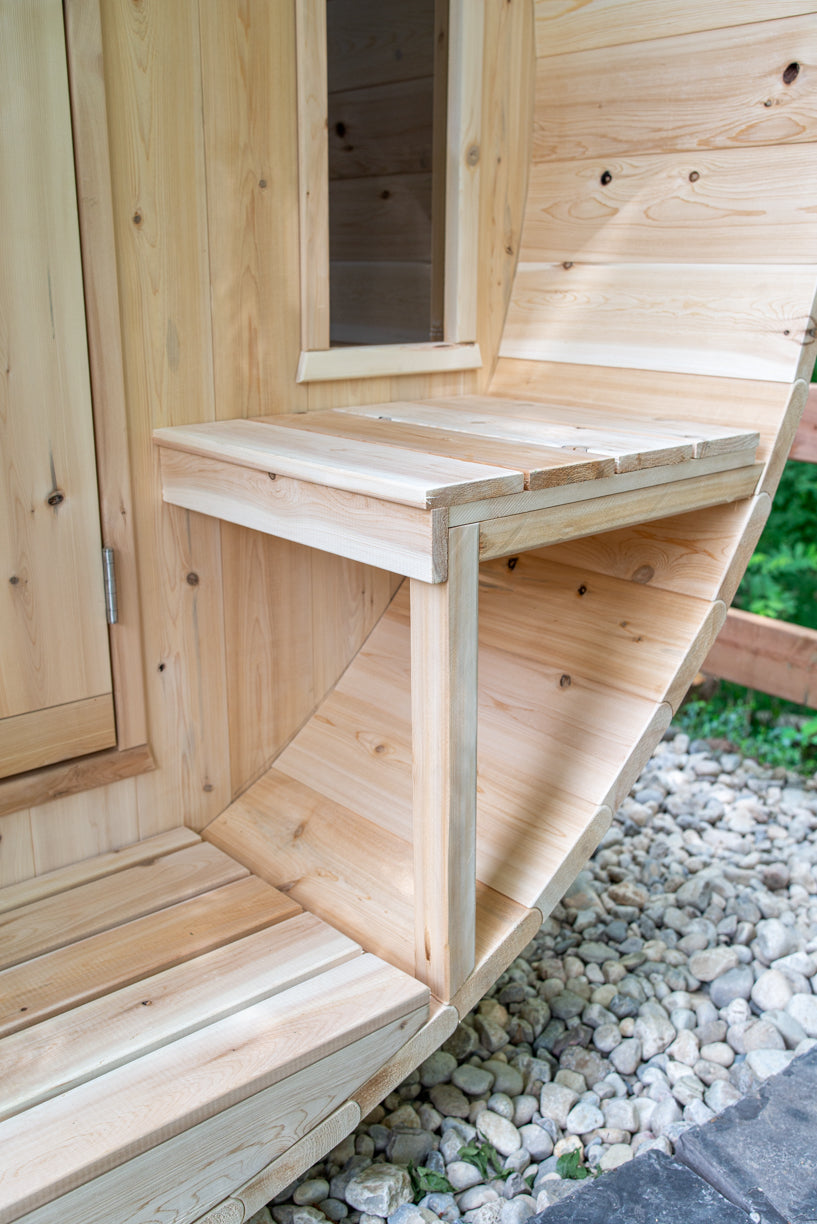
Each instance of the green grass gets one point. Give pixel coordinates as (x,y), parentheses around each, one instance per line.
(774,732)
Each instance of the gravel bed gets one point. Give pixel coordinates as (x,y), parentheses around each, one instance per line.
(678,972)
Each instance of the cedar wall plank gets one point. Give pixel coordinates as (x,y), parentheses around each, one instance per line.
(564,25)
(152,65)
(727,320)
(724,206)
(672,94)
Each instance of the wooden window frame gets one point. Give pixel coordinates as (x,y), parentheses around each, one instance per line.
(458,350)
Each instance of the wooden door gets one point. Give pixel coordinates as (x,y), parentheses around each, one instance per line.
(55,678)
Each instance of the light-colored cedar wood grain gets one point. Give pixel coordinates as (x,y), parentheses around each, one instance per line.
(671,94)
(65,878)
(152,66)
(557,723)
(804,446)
(370,42)
(42,926)
(690,553)
(381,129)
(305,1152)
(381,219)
(377,361)
(380,303)
(91,1040)
(400,538)
(34,738)
(724,320)
(271,686)
(706,439)
(538,528)
(574,860)
(71,777)
(444,647)
(313,183)
(732,402)
(541,466)
(668,477)
(329,859)
(507,124)
(462,169)
(439,152)
(137,1107)
(79,972)
(579,25)
(83,825)
(16,850)
(186,1175)
(724,206)
(250,135)
(768,655)
(365,468)
(633,445)
(440,1025)
(503,930)
(83,36)
(54,642)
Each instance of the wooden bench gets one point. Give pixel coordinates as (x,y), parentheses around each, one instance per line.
(161,1004)
(432,489)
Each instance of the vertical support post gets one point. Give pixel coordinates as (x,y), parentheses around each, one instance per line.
(444,622)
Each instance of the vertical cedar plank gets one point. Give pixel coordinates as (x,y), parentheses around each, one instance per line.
(465,31)
(153,80)
(250,126)
(267,613)
(507,127)
(313,147)
(444,742)
(16,850)
(84,825)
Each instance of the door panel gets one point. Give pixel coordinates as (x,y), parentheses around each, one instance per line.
(53,635)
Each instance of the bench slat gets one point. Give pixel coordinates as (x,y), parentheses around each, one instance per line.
(64,1142)
(64,878)
(424,481)
(99,905)
(68,976)
(541,466)
(90,1040)
(481,417)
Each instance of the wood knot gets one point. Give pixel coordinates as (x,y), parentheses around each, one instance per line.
(472,155)
(192,579)
(694,176)
(513,562)
(791,73)
(644,573)
(565,681)
(606,178)
(55,498)
(582,590)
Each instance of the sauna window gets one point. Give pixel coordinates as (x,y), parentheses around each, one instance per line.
(388,115)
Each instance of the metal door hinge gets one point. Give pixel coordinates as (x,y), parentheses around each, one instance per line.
(109,579)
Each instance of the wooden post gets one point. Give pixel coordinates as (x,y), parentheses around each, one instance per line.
(444,743)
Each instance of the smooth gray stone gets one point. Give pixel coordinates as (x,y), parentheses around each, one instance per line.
(653,1188)
(760,1152)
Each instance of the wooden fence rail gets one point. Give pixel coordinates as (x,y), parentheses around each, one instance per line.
(765,654)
